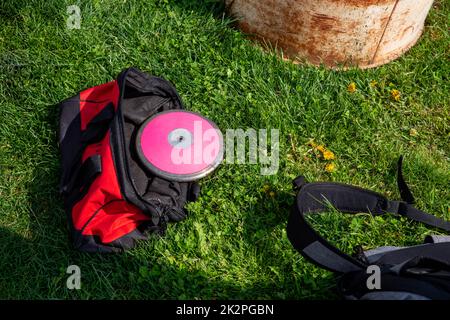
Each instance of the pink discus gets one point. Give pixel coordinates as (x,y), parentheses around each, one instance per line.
(179,145)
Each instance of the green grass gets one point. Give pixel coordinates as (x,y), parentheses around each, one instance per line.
(233,245)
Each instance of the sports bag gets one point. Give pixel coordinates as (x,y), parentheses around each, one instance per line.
(420,272)
(110,199)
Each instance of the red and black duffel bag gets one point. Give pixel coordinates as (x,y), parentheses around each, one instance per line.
(111,200)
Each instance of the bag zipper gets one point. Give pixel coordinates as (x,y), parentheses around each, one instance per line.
(142,203)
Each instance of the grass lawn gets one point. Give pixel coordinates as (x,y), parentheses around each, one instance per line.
(234,244)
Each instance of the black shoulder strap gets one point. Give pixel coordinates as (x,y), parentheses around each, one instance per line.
(406,209)
(324,196)
(405,193)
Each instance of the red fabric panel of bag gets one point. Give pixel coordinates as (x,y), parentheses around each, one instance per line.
(103,211)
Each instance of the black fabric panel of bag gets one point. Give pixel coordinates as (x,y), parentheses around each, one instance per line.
(141,101)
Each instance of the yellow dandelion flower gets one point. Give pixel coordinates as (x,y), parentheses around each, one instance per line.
(266,188)
(330,167)
(272,194)
(328,155)
(351,87)
(413,132)
(312,144)
(373,83)
(395,94)
(321,148)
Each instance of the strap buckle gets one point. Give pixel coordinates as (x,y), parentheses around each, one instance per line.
(397,207)
(298,183)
